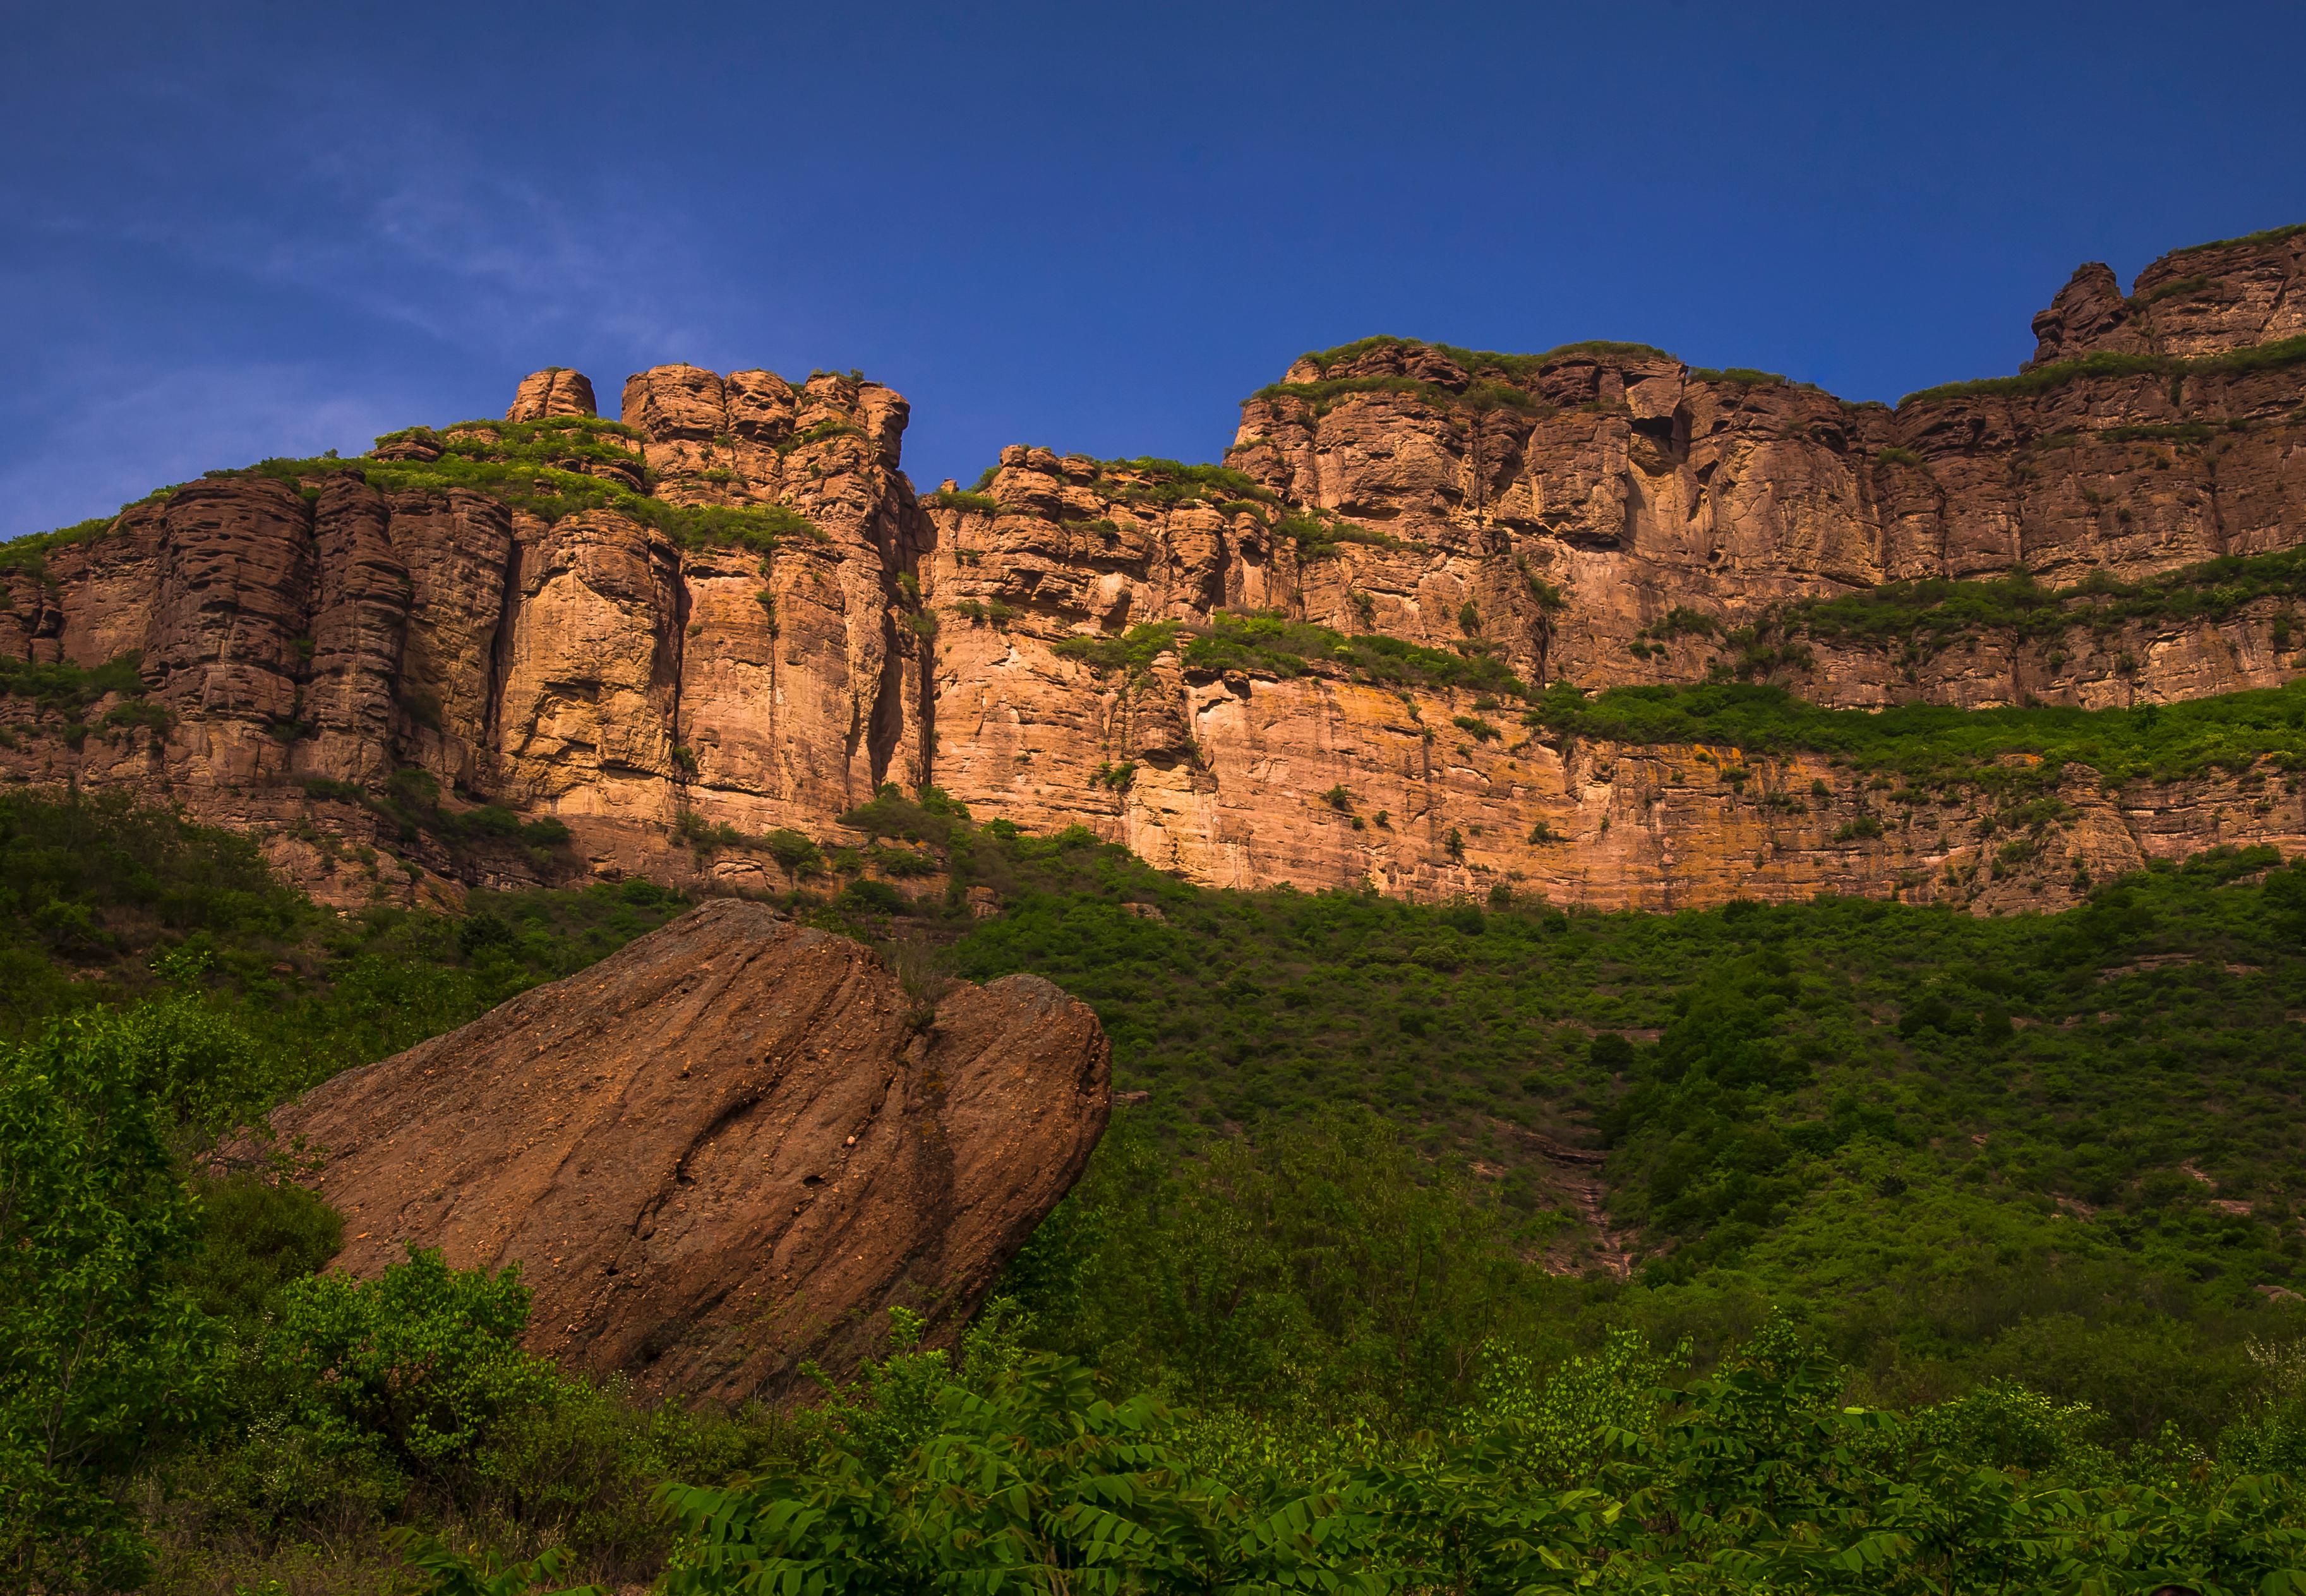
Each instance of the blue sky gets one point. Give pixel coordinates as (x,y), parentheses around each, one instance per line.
(234,231)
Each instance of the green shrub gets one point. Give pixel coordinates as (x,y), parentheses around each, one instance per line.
(258,1235)
(425,1358)
(1754,1478)
(873,897)
(1924,618)
(102,1354)
(983,504)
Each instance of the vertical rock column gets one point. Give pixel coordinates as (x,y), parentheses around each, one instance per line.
(359,625)
(236,590)
(458,548)
(553,391)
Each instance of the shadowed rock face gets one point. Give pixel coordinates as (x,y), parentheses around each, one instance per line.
(727,1149)
(1603,514)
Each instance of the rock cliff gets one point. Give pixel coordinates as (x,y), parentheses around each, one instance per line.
(725,1150)
(728,614)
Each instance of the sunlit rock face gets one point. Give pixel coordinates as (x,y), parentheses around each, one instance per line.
(1601,515)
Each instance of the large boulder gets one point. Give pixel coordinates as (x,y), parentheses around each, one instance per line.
(725,1150)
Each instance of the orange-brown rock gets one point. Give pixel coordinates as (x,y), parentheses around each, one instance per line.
(726,1149)
(553,391)
(1603,514)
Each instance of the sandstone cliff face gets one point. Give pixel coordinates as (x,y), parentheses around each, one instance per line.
(2210,300)
(1638,487)
(725,1150)
(553,391)
(591,666)
(1602,516)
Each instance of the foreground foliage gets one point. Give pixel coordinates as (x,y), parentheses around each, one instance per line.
(1752,1479)
(1298,1327)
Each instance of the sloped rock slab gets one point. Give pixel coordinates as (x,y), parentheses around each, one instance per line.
(727,1149)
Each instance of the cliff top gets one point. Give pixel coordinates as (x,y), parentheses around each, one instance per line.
(2202,302)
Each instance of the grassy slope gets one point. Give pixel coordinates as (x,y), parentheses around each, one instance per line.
(1803,1131)
(1925,1128)
(1934,1134)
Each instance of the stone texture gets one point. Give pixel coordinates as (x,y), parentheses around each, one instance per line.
(725,1150)
(2090,313)
(1578,511)
(553,391)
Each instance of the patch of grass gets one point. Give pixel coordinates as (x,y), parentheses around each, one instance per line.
(1740,377)
(1324,395)
(69,689)
(1317,533)
(1131,653)
(2270,235)
(410,799)
(525,476)
(2169,290)
(1474,362)
(539,466)
(1928,615)
(1273,645)
(983,504)
(1484,392)
(29,553)
(1160,483)
(2105,362)
(1935,745)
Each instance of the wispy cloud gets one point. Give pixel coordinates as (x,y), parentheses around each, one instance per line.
(378,225)
(398,219)
(182,421)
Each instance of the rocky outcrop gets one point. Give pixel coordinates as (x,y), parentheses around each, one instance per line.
(2212,299)
(730,614)
(601,667)
(1632,487)
(727,1149)
(553,391)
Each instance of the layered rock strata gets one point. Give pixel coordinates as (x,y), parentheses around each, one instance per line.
(1603,514)
(725,1151)
(592,667)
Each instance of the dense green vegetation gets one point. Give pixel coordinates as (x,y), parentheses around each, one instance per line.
(66,693)
(1934,745)
(1925,616)
(1276,645)
(2105,362)
(540,466)
(1950,1240)
(1962,1146)
(103,903)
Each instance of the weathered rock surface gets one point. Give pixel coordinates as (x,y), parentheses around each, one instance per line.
(1605,515)
(726,1149)
(553,391)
